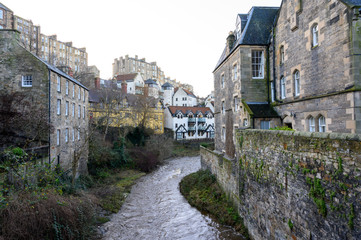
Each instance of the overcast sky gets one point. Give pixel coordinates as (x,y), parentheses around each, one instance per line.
(185,37)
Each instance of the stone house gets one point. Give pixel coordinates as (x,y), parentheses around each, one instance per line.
(62,99)
(190,122)
(241,76)
(6,20)
(315,58)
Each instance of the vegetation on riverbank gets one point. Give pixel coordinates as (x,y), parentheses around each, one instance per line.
(203,192)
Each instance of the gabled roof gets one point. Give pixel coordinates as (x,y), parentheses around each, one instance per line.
(174,110)
(210,128)
(58,71)
(181,129)
(126,77)
(167,84)
(352,3)
(4,7)
(261,110)
(257,30)
(150,81)
(189,93)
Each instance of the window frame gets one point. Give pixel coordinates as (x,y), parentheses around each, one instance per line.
(267,122)
(315,35)
(58,83)
(321,127)
(260,64)
(222,80)
(283,87)
(282,55)
(58,137)
(296,80)
(235,71)
(67,87)
(67,108)
(58,107)
(311,124)
(66,135)
(24,79)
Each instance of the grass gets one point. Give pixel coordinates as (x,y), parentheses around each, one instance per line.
(203,192)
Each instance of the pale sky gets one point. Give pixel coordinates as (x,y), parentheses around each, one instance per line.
(185,38)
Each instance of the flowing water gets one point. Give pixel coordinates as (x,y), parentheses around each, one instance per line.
(156,209)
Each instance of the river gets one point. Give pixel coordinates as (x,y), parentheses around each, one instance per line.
(155,209)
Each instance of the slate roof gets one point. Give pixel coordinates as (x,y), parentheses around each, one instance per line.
(4,7)
(185,110)
(260,21)
(126,77)
(150,81)
(58,71)
(167,84)
(262,110)
(352,3)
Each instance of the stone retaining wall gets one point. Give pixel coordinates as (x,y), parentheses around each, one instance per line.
(293,185)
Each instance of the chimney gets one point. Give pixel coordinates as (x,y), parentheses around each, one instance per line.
(124,87)
(146,91)
(230,40)
(97,83)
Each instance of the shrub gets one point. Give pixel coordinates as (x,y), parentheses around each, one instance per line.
(283,128)
(144,160)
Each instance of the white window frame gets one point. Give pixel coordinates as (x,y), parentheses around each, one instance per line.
(283,88)
(282,55)
(272,91)
(315,35)
(236,104)
(79,93)
(67,87)
(322,124)
(27,80)
(73,90)
(311,124)
(296,79)
(58,107)
(58,83)
(257,64)
(58,137)
(245,122)
(66,108)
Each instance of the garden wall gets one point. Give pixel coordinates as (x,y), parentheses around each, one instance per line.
(293,185)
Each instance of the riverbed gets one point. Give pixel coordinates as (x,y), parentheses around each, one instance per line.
(155,209)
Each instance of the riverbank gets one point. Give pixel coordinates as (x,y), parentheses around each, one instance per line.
(203,192)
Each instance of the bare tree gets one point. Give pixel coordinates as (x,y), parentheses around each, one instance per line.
(143,109)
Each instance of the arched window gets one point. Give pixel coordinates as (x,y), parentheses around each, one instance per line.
(283,88)
(296,79)
(321,124)
(282,55)
(311,124)
(314,35)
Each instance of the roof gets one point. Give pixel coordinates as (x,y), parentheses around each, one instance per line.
(126,77)
(58,71)
(4,7)
(150,81)
(262,110)
(244,18)
(185,110)
(257,30)
(352,3)
(167,84)
(189,93)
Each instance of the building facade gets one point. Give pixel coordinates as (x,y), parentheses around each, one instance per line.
(190,122)
(59,98)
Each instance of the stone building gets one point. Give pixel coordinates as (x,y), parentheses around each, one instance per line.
(62,100)
(315,65)
(241,76)
(48,48)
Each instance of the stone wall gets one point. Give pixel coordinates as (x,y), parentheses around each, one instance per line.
(294,185)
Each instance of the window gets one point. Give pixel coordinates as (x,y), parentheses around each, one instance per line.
(245,122)
(283,88)
(223,108)
(67,87)
(73,111)
(282,55)
(222,80)
(58,82)
(66,108)
(58,107)
(224,134)
(296,78)
(257,64)
(265,125)
(176,125)
(79,93)
(315,35)
(79,111)
(234,72)
(235,104)
(58,137)
(272,91)
(1,14)
(27,81)
(311,124)
(73,90)
(176,99)
(83,112)
(78,134)
(321,124)
(66,134)
(73,135)
(83,95)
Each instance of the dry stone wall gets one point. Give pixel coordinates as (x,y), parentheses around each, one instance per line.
(294,185)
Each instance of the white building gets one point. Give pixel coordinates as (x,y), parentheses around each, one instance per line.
(183,97)
(152,88)
(189,122)
(135,82)
(168,92)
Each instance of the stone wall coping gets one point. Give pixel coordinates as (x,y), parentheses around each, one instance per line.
(333,136)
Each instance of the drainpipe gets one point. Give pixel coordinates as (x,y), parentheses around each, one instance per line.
(49,114)
(274,65)
(268,75)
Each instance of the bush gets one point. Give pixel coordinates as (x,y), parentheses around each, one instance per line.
(161,144)
(144,160)
(283,128)
(47,216)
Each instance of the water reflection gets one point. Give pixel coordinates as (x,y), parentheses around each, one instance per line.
(155,209)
